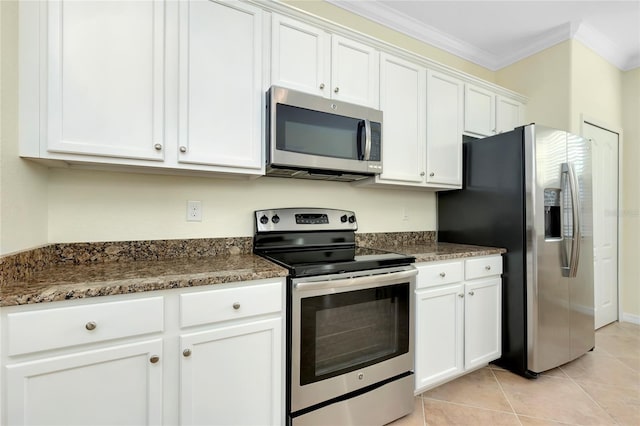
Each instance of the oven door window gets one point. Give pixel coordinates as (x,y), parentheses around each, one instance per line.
(343,332)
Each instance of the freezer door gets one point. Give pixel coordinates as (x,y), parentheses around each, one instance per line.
(580,283)
(548,319)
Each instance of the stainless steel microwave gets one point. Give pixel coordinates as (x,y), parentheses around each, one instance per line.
(313,137)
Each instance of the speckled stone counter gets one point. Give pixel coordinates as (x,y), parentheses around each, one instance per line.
(431,252)
(74,271)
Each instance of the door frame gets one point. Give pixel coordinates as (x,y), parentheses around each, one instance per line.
(587,119)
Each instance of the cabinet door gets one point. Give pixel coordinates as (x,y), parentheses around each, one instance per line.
(114,386)
(300,56)
(355,72)
(509,114)
(483,323)
(444,129)
(105,78)
(479,111)
(439,334)
(403,103)
(224,368)
(220,94)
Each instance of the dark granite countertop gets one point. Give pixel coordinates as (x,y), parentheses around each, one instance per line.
(81,275)
(71,281)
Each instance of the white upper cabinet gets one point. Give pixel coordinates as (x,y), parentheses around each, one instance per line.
(309,59)
(105,79)
(486,113)
(403,102)
(509,114)
(479,110)
(354,72)
(220,92)
(300,58)
(444,130)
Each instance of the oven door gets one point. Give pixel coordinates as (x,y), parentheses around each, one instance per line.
(349,332)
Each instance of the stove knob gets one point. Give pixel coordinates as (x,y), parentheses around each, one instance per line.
(264,220)
(352,219)
(343,218)
(275,218)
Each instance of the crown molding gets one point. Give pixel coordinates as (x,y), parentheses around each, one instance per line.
(590,37)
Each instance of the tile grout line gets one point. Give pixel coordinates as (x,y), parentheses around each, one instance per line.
(505,395)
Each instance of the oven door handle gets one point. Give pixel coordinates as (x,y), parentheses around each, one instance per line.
(356,281)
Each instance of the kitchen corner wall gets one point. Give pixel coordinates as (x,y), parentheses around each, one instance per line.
(23,185)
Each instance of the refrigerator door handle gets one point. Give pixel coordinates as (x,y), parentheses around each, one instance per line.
(569,171)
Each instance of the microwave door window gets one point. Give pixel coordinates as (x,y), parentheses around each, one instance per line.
(316,133)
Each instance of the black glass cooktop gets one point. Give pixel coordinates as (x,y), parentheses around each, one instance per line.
(322,261)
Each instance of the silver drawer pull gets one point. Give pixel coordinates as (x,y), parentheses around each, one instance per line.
(442,274)
(154,359)
(461,295)
(158,147)
(236,306)
(90,325)
(186,352)
(488,267)
(471,293)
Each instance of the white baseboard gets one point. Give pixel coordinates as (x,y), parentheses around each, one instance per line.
(632,318)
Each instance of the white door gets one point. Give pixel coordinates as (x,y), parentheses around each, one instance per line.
(439,334)
(221,104)
(403,103)
(482,322)
(444,129)
(605,222)
(119,385)
(232,375)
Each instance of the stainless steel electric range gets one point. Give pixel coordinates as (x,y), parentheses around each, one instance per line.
(350,314)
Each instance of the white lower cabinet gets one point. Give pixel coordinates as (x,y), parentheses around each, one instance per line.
(220,368)
(184,356)
(118,385)
(458,320)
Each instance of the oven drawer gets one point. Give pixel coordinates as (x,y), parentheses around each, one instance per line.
(226,304)
(69,326)
(482,267)
(438,273)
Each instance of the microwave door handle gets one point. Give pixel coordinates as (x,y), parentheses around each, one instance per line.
(367,148)
(362,125)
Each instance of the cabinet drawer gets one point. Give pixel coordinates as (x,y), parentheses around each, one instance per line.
(61,327)
(230,303)
(482,267)
(430,275)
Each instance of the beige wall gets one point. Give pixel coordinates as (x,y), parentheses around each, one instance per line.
(630,213)
(103,206)
(545,79)
(23,185)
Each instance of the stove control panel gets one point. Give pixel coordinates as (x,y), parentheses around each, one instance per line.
(305,219)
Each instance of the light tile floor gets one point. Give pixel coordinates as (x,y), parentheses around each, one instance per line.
(600,388)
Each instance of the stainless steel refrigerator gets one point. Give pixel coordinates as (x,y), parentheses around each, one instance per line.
(529,191)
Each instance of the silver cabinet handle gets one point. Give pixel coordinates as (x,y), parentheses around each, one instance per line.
(154,359)
(432,174)
(488,267)
(158,147)
(471,293)
(186,353)
(422,173)
(236,306)
(321,86)
(442,274)
(336,90)
(183,149)
(461,295)
(91,325)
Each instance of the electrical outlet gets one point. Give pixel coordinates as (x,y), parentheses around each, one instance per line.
(194,211)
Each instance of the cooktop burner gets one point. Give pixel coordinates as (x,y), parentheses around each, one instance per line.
(312,241)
